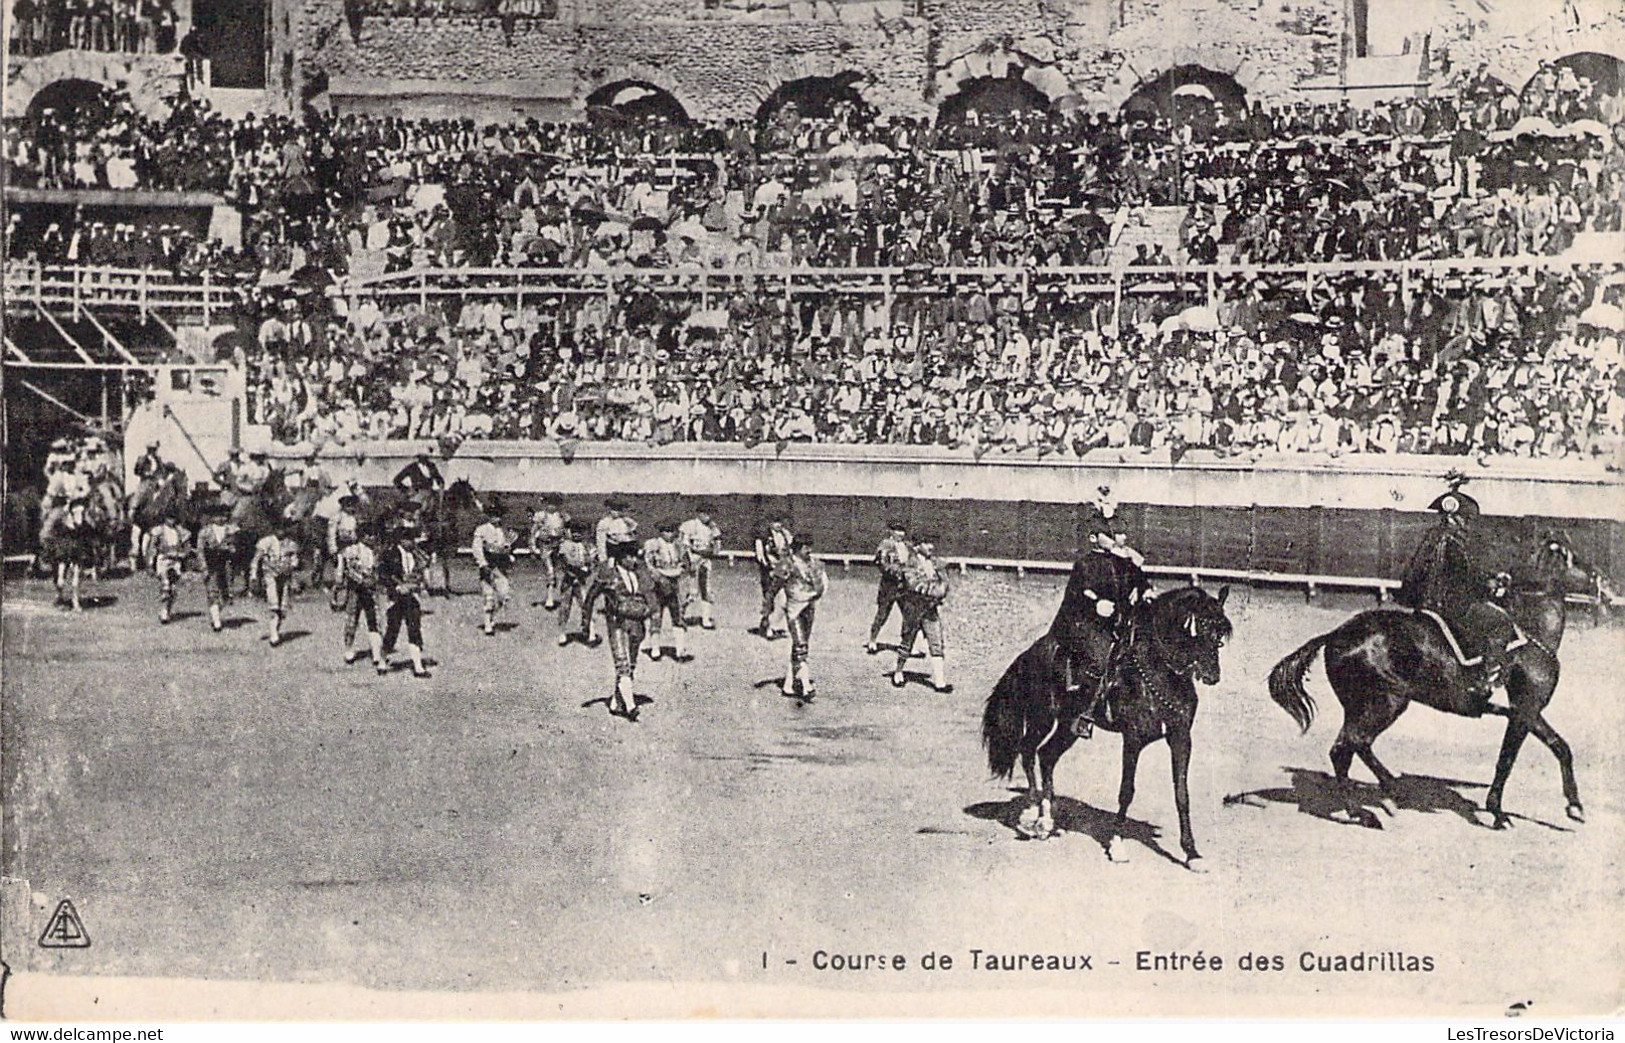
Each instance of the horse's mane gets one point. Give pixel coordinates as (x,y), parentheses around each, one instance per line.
(1179,597)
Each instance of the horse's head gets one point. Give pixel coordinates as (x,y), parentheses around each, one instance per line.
(1188,629)
(1558,570)
(460,495)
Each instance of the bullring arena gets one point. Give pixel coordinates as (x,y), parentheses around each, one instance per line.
(1257,297)
(493,830)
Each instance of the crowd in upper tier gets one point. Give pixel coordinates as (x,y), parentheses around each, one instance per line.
(124,26)
(1477,175)
(1520,361)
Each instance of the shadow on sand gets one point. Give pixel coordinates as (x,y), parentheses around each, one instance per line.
(1356,803)
(1074,816)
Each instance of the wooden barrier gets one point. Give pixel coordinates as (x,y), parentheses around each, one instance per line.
(1300,520)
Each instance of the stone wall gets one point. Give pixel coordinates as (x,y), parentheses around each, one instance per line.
(716,70)
(152,80)
(1512,37)
(720,58)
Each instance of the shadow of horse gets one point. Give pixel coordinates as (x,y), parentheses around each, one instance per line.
(1074,816)
(1321,795)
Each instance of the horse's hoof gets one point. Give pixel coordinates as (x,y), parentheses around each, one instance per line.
(1575,812)
(1117,850)
(1498,820)
(1388,806)
(1194,863)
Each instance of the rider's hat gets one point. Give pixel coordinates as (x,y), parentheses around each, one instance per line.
(1456,503)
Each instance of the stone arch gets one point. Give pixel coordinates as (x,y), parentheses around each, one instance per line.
(784,70)
(989,94)
(1029,62)
(639,99)
(811,94)
(1518,64)
(1145,66)
(150,80)
(71,94)
(1605,71)
(1162,94)
(647,75)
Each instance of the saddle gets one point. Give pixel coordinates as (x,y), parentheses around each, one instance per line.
(1485,629)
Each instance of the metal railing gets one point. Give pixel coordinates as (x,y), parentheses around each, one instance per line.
(149,291)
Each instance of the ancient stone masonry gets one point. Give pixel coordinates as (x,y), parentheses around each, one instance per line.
(1512,37)
(151,79)
(721,58)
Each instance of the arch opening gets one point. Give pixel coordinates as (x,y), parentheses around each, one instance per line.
(1575,86)
(815,97)
(73,100)
(993,96)
(638,101)
(1188,94)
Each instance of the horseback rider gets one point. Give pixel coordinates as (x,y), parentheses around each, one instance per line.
(225,475)
(150,464)
(252,476)
(420,479)
(1106,584)
(1451,577)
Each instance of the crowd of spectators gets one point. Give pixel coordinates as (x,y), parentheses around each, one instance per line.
(1523,362)
(1423,178)
(124,26)
(1356,364)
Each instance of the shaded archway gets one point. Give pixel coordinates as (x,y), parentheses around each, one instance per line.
(1190,94)
(815,97)
(638,100)
(72,100)
(1604,73)
(992,95)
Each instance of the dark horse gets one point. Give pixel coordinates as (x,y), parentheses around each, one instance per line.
(447,518)
(256,515)
(163,494)
(1174,641)
(1381,661)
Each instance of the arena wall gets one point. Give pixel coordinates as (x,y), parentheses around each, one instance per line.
(722,62)
(1354,519)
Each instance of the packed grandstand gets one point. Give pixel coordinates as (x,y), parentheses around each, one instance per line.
(1432,273)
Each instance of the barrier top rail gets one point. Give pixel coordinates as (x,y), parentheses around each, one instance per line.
(29,283)
(1424,265)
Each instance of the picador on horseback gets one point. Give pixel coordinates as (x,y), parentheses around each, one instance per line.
(1092,625)
(1452,577)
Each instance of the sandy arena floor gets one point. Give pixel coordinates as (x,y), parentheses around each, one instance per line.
(219,809)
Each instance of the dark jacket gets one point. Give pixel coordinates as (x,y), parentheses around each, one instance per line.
(621,604)
(393,574)
(1098,577)
(1448,573)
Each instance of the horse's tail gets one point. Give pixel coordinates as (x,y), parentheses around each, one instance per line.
(1004,719)
(1286,682)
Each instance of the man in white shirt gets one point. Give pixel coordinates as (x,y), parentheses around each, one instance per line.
(493,554)
(702,538)
(667,557)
